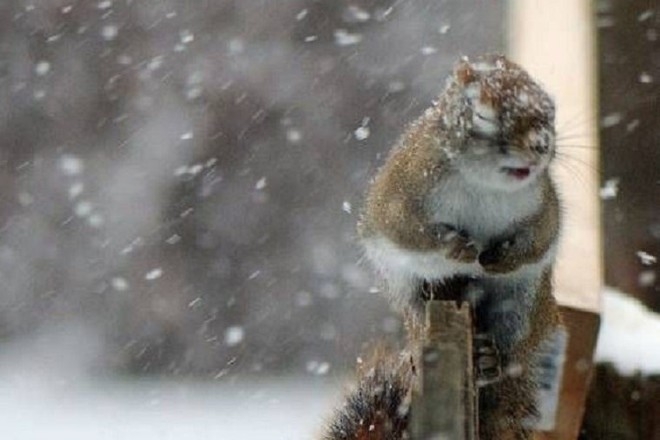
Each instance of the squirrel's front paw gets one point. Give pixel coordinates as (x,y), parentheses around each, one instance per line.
(460,248)
(499,258)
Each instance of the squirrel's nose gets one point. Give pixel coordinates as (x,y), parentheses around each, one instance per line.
(502,146)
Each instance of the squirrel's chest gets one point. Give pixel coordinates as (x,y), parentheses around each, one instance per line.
(482,214)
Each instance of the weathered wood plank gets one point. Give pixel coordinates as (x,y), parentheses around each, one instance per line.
(444,406)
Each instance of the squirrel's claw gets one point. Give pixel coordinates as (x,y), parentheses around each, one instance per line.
(498,259)
(486,360)
(460,248)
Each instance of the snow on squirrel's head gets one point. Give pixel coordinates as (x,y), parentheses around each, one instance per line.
(505,118)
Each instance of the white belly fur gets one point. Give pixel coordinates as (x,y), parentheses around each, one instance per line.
(402,268)
(482,215)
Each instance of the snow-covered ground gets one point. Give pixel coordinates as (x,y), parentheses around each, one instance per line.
(629,334)
(48,393)
(156,409)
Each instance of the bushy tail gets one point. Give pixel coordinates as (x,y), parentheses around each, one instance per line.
(378,408)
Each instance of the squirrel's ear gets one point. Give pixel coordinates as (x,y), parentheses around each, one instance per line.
(464,72)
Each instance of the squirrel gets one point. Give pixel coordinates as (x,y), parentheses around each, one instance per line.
(467,194)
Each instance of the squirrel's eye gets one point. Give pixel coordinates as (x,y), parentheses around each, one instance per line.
(484,126)
(483,118)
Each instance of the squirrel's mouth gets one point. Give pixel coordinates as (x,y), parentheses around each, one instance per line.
(518,173)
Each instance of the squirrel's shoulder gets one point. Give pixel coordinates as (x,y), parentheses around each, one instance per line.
(413,166)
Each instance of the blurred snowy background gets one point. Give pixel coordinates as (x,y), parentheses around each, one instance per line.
(180,184)
(181,180)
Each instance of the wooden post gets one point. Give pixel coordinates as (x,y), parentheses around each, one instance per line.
(445,402)
(555,41)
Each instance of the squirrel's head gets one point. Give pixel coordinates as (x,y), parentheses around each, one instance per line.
(507,120)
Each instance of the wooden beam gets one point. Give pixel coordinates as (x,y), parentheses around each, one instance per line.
(556,42)
(445,402)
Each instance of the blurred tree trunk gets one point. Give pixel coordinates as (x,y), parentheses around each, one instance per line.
(628,96)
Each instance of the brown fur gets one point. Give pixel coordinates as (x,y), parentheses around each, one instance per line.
(394,205)
(378,407)
(395,202)
(537,234)
(506,404)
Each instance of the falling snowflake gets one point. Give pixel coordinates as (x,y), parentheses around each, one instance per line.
(361,133)
(154,274)
(155,63)
(119,284)
(632,125)
(173,239)
(646,258)
(42,68)
(234,335)
(293,135)
(323,368)
(611,120)
(647,278)
(186,36)
(95,220)
(610,189)
(193,92)
(355,14)
(76,189)
(318,368)
(429,50)
(70,165)
(645,15)
(344,38)
(195,303)
(83,208)
(645,78)
(109,32)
